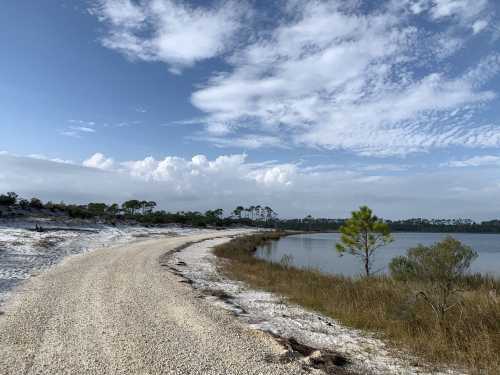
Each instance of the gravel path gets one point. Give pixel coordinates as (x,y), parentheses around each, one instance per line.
(117,311)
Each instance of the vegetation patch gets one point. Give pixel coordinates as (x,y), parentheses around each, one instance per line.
(468,335)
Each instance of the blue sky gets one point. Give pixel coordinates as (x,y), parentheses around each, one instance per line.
(312,107)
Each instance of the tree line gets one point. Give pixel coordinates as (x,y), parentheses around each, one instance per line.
(144,212)
(459,225)
(254,215)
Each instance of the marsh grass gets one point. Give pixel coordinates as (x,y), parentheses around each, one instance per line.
(468,338)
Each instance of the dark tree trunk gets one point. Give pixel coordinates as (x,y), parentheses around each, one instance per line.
(367,255)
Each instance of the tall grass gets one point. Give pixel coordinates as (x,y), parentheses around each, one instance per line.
(469,337)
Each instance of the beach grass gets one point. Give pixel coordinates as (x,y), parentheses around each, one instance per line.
(469,337)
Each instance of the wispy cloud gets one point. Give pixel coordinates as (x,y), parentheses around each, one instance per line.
(45,157)
(79,128)
(475,161)
(70,133)
(82,129)
(125,124)
(357,87)
(248,141)
(479,26)
(377,83)
(38,157)
(469,14)
(82,122)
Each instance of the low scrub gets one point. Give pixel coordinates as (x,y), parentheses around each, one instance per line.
(469,337)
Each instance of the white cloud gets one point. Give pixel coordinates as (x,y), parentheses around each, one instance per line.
(281,175)
(169,31)
(199,171)
(373,84)
(350,88)
(463,12)
(471,15)
(70,133)
(249,141)
(476,161)
(82,123)
(180,170)
(79,128)
(479,26)
(463,9)
(83,129)
(99,161)
(44,157)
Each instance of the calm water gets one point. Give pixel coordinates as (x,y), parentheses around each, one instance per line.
(318,251)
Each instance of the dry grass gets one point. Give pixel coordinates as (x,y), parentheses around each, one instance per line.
(470,337)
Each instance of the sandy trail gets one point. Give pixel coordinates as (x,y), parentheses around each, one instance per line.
(117,311)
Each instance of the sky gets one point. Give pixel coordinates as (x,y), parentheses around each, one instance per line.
(310,107)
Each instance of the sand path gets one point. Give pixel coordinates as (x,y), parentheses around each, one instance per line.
(117,311)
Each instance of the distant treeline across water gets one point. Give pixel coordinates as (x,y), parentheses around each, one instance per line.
(408,225)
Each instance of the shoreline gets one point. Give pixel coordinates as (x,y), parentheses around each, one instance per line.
(287,322)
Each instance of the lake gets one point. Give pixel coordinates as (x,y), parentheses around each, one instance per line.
(317,251)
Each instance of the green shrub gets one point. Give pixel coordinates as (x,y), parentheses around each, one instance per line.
(8,199)
(439,269)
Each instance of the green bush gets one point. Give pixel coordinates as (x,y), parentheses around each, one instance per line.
(439,269)
(36,203)
(8,199)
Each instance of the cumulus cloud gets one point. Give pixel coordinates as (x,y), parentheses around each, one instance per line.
(351,88)
(280,175)
(186,174)
(176,168)
(99,161)
(169,31)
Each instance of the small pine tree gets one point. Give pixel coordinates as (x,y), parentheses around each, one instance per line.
(362,234)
